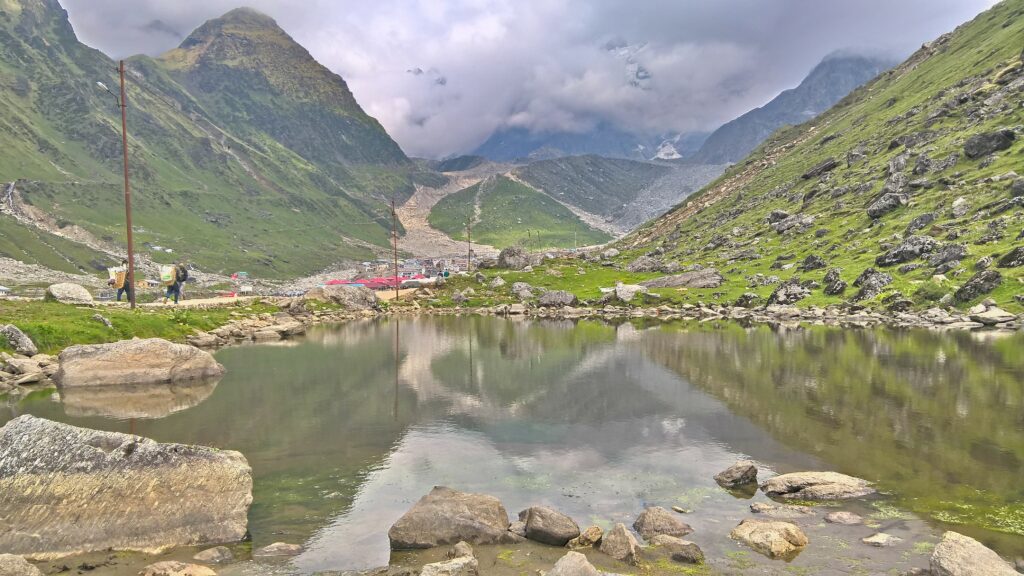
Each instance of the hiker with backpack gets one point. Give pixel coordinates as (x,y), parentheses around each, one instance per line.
(174,277)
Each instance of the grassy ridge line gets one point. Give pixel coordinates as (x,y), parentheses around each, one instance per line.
(512,213)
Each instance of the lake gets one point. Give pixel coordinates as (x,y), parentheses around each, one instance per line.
(346,428)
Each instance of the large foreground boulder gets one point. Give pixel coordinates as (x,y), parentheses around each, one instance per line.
(18,341)
(445,516)
(816,486)
(771,538)
(13,565)
(67,490)
(134,362)
(68,293)
(345,295)
(703,278)
(513,258)
(959,555)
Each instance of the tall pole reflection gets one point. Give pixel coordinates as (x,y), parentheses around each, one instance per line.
(394,409)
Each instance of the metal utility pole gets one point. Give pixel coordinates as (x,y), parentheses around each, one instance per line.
(469,244)
(123,103)
(394,235)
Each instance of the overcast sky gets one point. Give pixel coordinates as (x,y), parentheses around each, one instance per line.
(442,75)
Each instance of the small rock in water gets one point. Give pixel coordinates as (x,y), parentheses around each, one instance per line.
(771,538)
(462,566)
(461,549)
(682,551)
(278,549)
(781,511)
(215,555)
(816,486)
(681,510)
(14,565)
(549,526)
(656,520)
(843,517)
(881,540)
(588,538)
(173,568)
(739,474)
(573,564)
(621,545)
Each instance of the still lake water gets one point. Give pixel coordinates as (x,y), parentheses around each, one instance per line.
(596,420)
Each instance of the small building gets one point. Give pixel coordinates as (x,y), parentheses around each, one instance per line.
(4,291)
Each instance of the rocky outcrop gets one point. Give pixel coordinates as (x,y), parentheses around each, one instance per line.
(18,341)
(68,293)
(871,282)
(445,516)
(742,473)
(134,362)
(816,486)
(988,142)
(679,550)
(789,292)
(657,520)
(978,285)
(627,292)
(573,564)
(620,544)
(1012,259)
(13,565)
(548,526)
(959,555)
(557,298)
(771,538)
(886,203)
(834,284)
(703,278)
(827,165)
(347,296)
(67,490)
(910,249)
(513,258)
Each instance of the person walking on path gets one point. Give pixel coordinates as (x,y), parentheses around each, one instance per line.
(126,286)
(174,289)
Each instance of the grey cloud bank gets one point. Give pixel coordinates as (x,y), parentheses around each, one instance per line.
(653,66)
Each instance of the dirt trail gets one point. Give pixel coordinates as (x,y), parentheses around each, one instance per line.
(423,241)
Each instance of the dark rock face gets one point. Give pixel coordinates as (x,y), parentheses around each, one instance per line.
(947,253)
(1017,188)
(67,490)
(557,298)
(871,282)
(885,204)
(813,262)
(657,520)
(795,223)
(742,473)
(980,284)
(834,285)
(445,516)
(920,222)
(826,166)
(777,216)
(1013,258)
(549,526)
(513,258)
(988,142)
(747,300)
(703,278)
(910,249)
(789,292)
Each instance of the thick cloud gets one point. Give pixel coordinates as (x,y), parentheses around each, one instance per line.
(442,75)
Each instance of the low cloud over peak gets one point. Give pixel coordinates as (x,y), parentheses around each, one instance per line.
(441,76)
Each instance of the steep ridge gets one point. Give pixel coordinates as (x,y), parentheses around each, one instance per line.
(832,79)
(903,194)
(245,152)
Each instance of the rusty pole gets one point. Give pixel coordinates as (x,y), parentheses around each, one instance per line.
(127,190)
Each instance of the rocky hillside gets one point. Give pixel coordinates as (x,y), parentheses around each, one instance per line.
(507,212)
(835,77)
(523,145)
(623,193)
(904,194)
(246,154)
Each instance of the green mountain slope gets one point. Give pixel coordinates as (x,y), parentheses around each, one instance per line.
(506,213)
(910,175)
(245,153)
